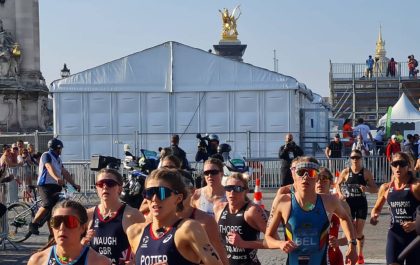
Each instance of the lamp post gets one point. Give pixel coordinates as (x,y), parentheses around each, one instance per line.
(65,72)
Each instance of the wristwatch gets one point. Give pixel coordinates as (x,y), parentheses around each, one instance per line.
(353,242)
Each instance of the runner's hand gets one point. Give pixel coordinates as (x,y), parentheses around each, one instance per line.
(60,182)
(374,218)
(234,239)
(408,226)
(88,237)
(333,242)
(288,246)
(351,255)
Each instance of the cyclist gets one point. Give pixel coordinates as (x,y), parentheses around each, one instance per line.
(169,239)
(50,182)
(304,214)
(69,223)
(354,181)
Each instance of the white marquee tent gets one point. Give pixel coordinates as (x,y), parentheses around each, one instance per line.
(402,112)
(171,88)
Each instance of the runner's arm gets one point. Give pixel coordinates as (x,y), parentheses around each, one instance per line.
(195,236)
(370,182)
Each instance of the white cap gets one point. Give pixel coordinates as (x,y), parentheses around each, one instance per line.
(393,136)
(126,147)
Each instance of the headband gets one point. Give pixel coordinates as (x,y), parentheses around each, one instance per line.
(310,165)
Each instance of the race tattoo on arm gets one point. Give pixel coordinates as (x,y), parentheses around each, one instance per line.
(270,219)
(209,248)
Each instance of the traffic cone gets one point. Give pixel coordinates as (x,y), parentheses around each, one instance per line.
(258,193)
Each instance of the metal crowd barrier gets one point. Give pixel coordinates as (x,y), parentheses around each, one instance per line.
(266,169)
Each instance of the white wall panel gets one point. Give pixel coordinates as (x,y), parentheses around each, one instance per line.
(216,112)
(127,111)
(157,109)
(99,111)
(71,115)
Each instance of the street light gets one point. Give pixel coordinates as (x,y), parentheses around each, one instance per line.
(65,72)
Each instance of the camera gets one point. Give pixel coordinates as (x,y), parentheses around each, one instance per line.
(202,140)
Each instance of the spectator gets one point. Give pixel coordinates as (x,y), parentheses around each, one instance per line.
(6,159)
(379,140)
(412,65)
(20,145)
(391,70)
(178,152)
(363,130)
(369,67)
(408,146)
(361,146)
(335,148)
(289,151)
(400,137)
(348,136)
(24,160)
(32,153)
(416,146)
(392,148)
(208,150)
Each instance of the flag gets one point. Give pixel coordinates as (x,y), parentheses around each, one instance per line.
(388,122)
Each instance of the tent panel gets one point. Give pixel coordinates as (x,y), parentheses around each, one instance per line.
(99,111)
(157,117)
(127,110)
(69,119)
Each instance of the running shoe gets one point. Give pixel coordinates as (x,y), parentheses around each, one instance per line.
(361,260)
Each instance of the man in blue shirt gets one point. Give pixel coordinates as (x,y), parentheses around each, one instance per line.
(369,67)
(50,182)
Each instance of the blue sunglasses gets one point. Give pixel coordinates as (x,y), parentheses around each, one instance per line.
(161,192)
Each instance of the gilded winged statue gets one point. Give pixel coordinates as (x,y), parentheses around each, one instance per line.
(229,31)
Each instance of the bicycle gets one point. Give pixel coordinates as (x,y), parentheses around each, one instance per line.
(21,214)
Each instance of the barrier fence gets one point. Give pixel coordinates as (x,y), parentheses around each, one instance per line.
(266,169)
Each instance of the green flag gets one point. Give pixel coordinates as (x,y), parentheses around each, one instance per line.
(388,122)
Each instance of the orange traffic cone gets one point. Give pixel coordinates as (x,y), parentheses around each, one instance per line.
(258,193)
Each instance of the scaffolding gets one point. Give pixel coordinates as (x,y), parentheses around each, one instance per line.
(353,94)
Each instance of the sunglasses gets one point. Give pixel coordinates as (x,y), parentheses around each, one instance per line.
(401,163)
(110,183)
(310,172)
(162,193)
(211,172)
(234,188)
(324,177)
(70,221)
(355,157)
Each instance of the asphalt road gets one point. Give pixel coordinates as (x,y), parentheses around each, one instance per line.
(374,244)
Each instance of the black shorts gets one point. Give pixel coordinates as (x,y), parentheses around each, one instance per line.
(358,207)
(397,240)
(49,195)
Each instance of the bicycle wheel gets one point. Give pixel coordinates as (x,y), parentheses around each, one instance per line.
(19,216)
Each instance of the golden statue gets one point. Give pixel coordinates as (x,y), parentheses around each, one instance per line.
(229,31)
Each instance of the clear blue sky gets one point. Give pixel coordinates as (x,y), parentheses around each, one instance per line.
(306,34)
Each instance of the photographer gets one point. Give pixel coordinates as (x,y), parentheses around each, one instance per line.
(207,147)
(287,153)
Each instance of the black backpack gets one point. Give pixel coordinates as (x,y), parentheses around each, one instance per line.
(416,63)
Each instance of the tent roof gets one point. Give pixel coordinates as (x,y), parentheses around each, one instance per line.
(402,111)
(174,67)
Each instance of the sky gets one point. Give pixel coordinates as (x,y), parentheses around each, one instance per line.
(306,34)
